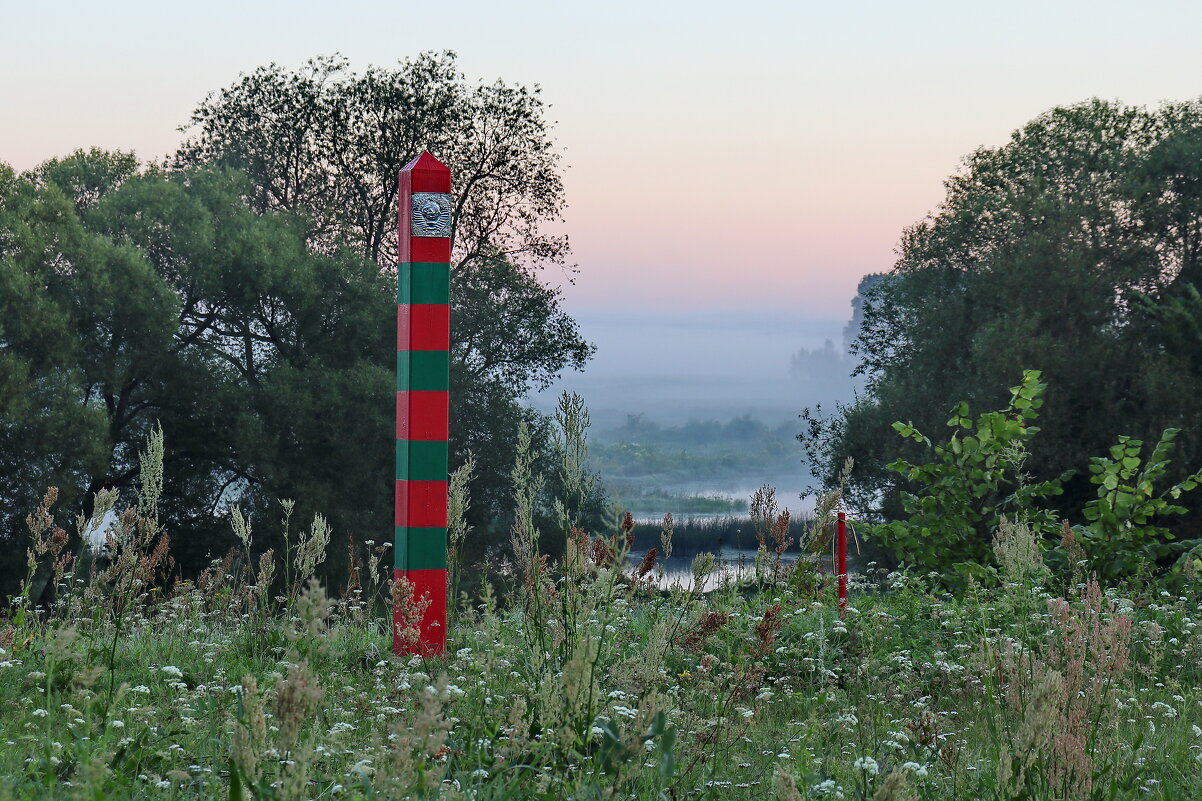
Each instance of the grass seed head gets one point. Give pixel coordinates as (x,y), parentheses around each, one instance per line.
(786,786)
(895,787)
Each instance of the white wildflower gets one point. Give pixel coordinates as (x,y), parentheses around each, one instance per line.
(1164,709)
(868,765)
(827,787)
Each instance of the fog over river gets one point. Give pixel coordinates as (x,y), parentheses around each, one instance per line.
(712,365)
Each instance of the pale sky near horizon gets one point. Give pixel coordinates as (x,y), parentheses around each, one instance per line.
(721,155)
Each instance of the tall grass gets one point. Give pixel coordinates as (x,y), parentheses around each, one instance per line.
(588,682)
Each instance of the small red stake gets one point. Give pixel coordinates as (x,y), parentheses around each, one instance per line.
(841,556)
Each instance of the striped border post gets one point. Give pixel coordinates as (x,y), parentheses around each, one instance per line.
(423,373)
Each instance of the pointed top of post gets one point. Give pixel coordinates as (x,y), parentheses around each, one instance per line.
(429,174)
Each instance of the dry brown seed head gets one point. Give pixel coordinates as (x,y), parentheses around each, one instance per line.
(647,564)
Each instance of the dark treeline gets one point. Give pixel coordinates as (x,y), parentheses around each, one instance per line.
(1074,249)
(242,295)
(741,430)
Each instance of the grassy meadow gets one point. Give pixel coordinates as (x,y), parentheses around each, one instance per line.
(580,678)
(593,685)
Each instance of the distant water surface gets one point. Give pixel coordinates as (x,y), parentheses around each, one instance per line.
(678,570)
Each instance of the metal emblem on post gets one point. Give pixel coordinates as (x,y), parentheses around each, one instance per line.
(431,215)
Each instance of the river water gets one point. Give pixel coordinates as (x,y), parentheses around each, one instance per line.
(677,571)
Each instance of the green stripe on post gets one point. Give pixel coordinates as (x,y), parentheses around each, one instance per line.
(423,282)
(421,370)
(420,548)
(427,549)
(421,461)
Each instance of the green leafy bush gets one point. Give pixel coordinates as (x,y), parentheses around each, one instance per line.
(1122,537)
(969,483)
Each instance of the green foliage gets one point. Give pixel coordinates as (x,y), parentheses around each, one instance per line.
(593,683)
(327,143)
(976,480)
(1123,535)
(969,484)
(1036,258)
(244,297)
(629,691)
(1174,322)
(143,296)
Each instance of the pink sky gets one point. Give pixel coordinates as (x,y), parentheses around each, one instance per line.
(758,154)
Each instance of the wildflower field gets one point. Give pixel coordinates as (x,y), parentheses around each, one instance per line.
(580,678)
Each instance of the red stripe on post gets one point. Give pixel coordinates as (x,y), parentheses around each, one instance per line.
(432,584)
(430,248)
(420,504)
(404,245)
(428,174)
(423,326)
(427,415)
(429,327)
(430,587)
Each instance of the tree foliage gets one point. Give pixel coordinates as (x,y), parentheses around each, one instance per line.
(243,295)
(1070,249)
(329,143)
(131,297)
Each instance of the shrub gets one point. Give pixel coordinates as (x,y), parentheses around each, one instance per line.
(1122,537)
(970,482)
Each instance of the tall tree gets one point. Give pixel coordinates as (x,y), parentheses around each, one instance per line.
(1035,260)
(131,297)
(330,142)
